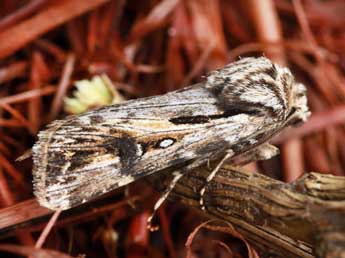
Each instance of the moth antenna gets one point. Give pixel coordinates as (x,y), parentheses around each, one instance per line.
(27,154)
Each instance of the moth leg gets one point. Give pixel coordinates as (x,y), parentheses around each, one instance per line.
(127,195)
(210,177)
(177,175)
(262,152)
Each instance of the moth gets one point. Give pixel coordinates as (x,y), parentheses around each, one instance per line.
(230,115)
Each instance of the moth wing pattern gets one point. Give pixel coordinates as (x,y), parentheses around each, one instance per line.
(79,158)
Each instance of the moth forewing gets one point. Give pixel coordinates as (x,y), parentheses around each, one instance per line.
(237,108)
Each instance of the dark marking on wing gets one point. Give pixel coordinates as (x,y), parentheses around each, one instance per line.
(127,149)
(260,136)
(179,163)
(59,161)
(72,122)
(213,147)
(96,119)
(229,112)
(113,130)
(79,159)
(89,129)
(218,89)
(272,71)
(241,145)
(189,119)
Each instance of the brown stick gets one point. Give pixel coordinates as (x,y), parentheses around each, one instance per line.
(301,219)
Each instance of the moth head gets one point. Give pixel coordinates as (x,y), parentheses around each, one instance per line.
(260,86)
(299,112)
(295,94)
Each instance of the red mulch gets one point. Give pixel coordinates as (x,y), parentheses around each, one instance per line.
(150,47)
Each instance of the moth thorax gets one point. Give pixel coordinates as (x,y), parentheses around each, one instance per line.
(255,83)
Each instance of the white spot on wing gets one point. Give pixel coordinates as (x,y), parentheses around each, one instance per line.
(166,143)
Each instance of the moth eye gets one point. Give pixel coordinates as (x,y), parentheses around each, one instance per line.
(165,143)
